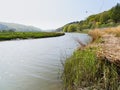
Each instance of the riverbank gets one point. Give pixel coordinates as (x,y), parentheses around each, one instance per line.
(27,35)
(97,65)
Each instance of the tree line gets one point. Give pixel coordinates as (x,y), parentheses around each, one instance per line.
(108,18)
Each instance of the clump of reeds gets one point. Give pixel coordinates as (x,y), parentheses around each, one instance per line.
(115,31)
(84,69)
(96,34)
(79,69)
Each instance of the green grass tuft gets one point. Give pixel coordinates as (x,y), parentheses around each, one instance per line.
(84,70)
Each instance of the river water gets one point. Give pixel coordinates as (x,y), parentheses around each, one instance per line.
(35,64)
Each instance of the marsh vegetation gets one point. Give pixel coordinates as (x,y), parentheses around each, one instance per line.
(97,65)
(27,35)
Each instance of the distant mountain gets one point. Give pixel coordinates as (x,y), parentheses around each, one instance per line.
(3,27)
(17,27)
(59,29)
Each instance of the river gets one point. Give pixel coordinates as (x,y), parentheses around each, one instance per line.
(35,64)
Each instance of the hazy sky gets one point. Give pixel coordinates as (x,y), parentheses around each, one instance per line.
(50,14)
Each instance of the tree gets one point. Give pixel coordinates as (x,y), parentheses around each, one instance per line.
(104,17)
(91,18)
(72,28)
(65,29)
(97,17)
(115,13)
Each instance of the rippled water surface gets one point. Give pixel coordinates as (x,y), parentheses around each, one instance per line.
(35,64)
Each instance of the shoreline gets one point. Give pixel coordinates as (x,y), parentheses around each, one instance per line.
(90,67)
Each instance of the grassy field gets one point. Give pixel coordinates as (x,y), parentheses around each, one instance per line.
(97,65)
(27,35)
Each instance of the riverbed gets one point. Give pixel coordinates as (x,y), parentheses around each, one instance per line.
(35,64)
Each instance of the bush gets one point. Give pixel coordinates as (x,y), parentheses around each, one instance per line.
(72,28)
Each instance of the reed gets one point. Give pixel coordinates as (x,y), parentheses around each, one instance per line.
(115,31)
(93,66)
(96,34)
(85,70)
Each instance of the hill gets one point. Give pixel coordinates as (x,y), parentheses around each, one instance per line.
(17,27)
(108,18)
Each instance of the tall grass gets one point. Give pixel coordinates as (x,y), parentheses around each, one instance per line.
(115,31)
(78,68)
(98,33)
(84,70)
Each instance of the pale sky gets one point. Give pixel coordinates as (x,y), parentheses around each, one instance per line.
(50,14)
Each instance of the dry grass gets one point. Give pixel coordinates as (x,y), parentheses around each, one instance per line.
(110,49)
(110,46)
(115,31)
(98,33)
